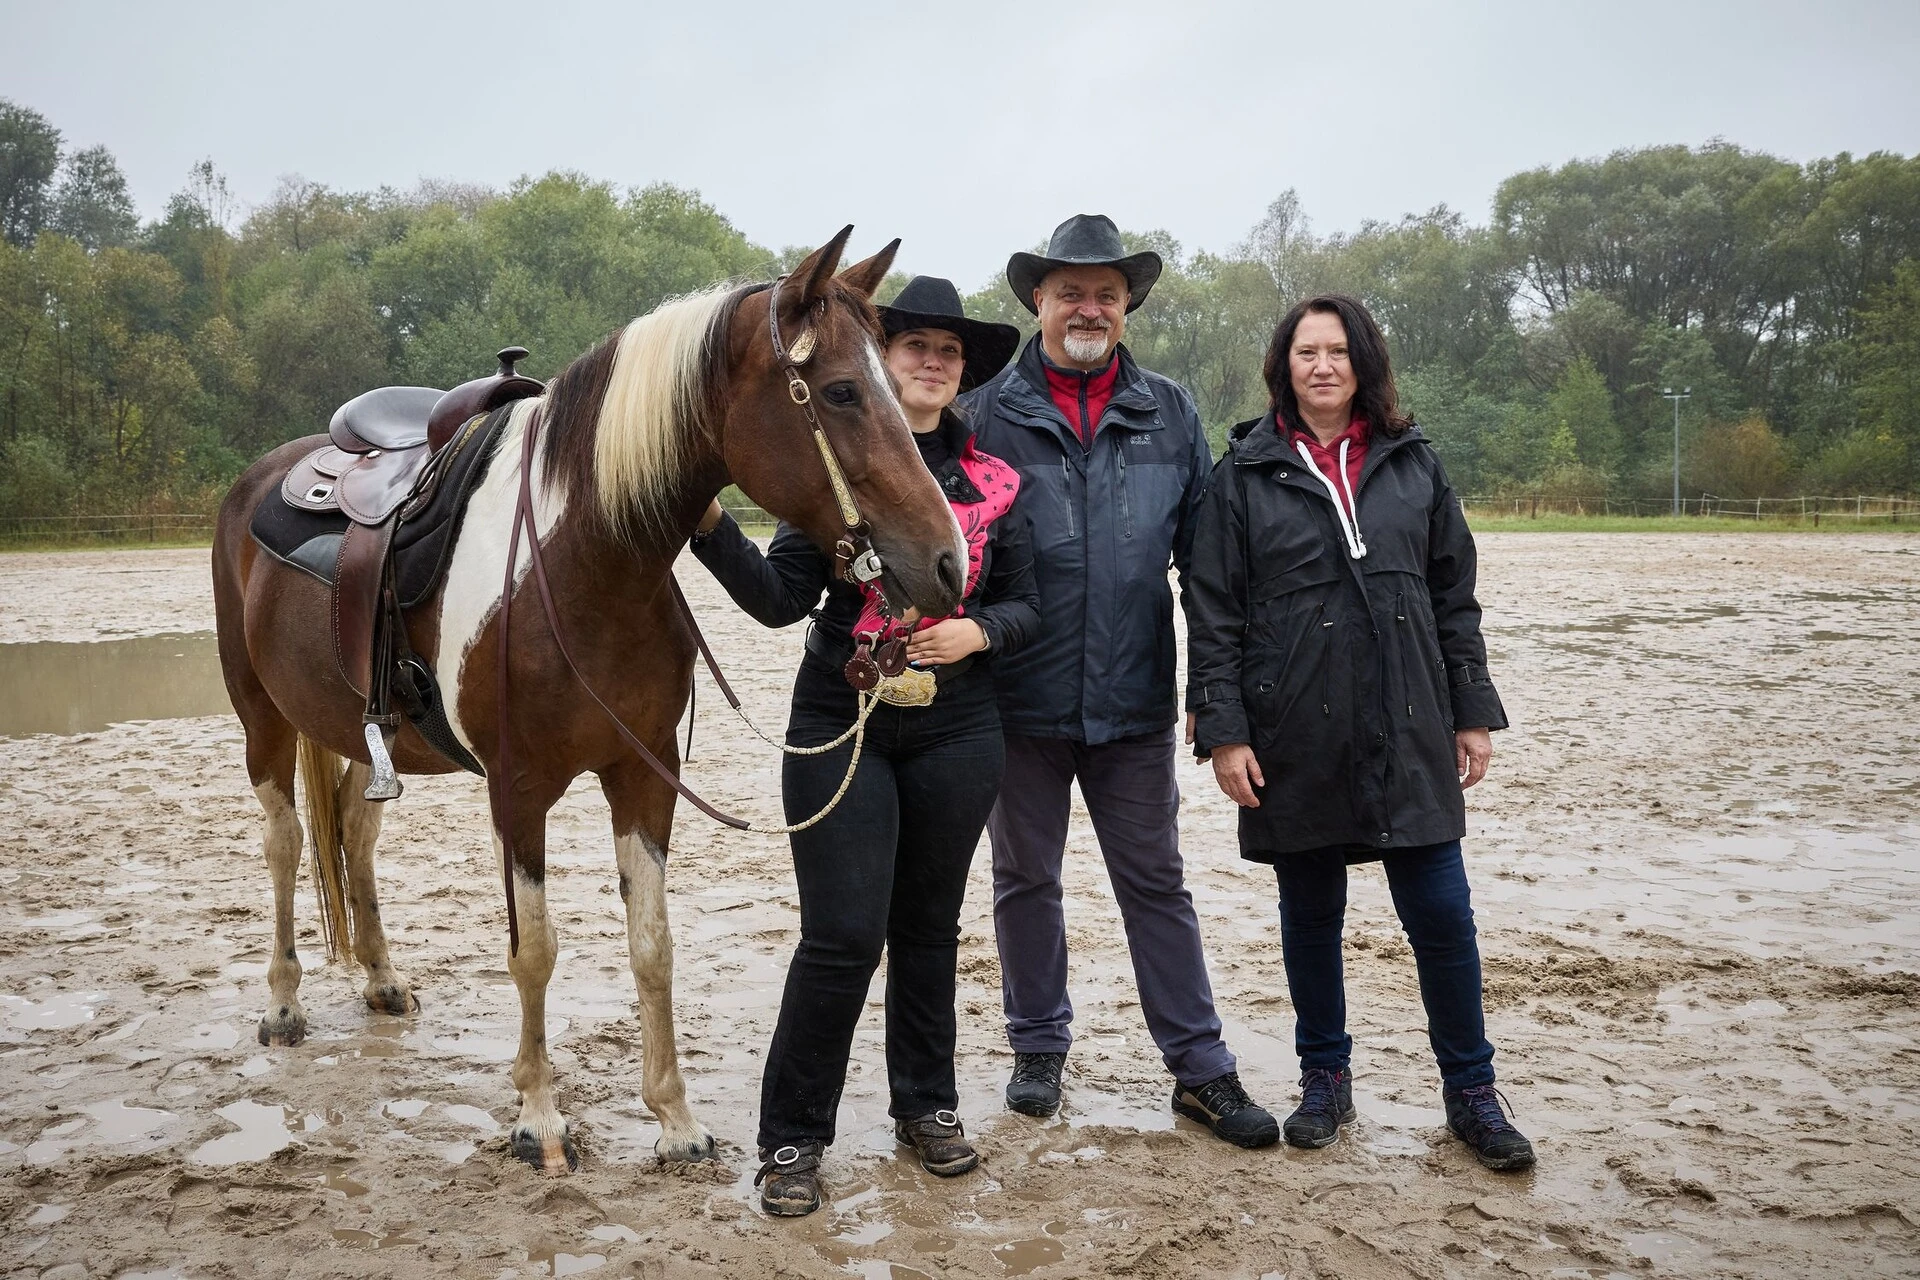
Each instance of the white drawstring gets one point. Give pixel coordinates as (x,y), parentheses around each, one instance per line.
(1349,525)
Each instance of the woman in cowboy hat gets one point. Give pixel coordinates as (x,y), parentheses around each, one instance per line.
(888,867)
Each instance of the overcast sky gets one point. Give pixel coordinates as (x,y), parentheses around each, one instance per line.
(967,129)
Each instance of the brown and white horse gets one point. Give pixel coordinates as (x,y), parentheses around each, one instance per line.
(635,438)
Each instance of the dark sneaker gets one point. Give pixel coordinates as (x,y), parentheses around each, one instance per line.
(1223,1106)
(1476,1119)
(940,1142)
(789,1181)
(1326,1103)
(1034,1089)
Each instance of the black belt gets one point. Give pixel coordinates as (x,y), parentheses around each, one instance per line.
(837,653)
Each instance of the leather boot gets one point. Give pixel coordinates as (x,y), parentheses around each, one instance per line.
(940,1142)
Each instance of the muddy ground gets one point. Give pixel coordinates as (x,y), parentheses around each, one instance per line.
(1696,871)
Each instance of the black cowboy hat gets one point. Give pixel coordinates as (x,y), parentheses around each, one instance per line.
(928,302)
(1084,240)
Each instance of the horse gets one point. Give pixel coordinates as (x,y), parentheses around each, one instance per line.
(635,438)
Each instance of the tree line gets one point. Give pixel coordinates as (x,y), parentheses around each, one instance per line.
(143,366)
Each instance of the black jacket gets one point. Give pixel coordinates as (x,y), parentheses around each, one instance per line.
(784,585)
(1348,677)
(1106,520)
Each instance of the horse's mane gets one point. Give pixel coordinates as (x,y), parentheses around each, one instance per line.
(622,419)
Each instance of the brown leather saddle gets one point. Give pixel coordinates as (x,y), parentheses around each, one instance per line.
(386,451)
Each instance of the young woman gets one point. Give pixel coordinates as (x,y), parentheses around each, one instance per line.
(1344,699)
(888,867)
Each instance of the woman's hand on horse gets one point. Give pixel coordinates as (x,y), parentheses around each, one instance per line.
(711,520)
(1472,748)
(1238,773)
(948,640)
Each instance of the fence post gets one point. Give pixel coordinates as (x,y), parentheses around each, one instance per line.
(1533,508)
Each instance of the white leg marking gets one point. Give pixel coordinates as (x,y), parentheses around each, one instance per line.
(540,1134)
(285,1021)
(360,820)
(479,563)
(643,882)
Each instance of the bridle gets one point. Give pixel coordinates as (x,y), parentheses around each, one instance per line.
(854,559)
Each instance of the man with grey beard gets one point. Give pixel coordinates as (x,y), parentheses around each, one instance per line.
(1113,464)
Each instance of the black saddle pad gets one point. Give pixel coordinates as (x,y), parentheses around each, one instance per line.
(422,545)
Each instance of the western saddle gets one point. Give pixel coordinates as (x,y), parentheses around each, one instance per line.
(386,455)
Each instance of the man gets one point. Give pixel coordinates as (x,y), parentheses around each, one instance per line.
(1113,464)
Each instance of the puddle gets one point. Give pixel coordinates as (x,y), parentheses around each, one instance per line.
(66,688)
(57,1012)
(1019,1257)
(568,1264)
(260,1130)
(110,1124)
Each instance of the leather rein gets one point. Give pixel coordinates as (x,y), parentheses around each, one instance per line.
(855,561)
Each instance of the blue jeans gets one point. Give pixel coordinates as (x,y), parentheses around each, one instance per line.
(1430,894)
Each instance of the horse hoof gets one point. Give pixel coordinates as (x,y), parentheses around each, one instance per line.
(284,1025)
(392,998)
(551,1156)
(685,1150)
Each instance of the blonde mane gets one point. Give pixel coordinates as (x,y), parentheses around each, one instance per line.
(655,402)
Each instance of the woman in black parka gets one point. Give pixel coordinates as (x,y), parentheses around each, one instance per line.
(1341,691)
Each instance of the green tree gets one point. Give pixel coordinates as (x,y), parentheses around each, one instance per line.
(92,205)
(29,157)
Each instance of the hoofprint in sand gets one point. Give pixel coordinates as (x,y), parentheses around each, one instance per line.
(1695,865)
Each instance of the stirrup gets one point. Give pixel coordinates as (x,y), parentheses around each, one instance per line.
(384,784)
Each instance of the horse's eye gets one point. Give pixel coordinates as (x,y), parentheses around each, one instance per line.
(841,393)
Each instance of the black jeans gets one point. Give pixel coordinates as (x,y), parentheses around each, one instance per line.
(1430,895)
(887,869)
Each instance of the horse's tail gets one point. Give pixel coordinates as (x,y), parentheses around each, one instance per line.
(320,772)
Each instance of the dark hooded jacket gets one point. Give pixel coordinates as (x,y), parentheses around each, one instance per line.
(1347,676)
(1107,520)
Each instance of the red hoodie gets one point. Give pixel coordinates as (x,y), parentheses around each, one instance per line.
(1327,456)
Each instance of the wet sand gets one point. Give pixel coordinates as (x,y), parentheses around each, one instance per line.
(1695,864)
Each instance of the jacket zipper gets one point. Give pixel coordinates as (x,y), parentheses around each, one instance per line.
(1326,663)
(1066,483)
(1126,508)
(1406,642)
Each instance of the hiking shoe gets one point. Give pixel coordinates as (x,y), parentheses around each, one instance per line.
(940,1142)
(1326,1103)
(1223,1106)
(789,1181)
(1034,1089)
(1476,1119)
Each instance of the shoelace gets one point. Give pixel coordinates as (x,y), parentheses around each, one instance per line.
(1320,1090)
(1041,1068)
(1484,1101)
(1225,1096)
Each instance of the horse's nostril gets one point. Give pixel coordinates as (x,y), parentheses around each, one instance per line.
(948,567)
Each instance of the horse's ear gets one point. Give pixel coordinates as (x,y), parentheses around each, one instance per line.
(816,270)
(864,277)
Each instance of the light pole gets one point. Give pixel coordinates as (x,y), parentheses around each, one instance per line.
(1668,393)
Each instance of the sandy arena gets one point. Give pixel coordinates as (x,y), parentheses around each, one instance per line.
(1695,864)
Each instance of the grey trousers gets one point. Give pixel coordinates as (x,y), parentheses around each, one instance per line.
(1135,806)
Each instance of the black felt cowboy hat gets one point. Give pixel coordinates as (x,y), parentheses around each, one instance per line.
(928,302)
(1084,240)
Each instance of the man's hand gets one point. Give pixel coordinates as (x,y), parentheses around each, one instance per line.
(1189,728)
(1472,748)
(1238,773)
(946,642)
